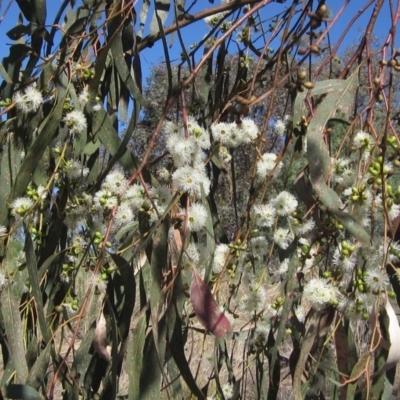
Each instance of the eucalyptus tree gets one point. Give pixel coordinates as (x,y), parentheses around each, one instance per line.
(230,233)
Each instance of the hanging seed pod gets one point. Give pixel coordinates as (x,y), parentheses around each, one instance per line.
(314,49)
(377,81)
(315,20)
(300,87)
(308,85)
(301,74)
(321,11)
(302,51)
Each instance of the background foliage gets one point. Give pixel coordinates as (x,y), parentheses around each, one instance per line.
(135,267)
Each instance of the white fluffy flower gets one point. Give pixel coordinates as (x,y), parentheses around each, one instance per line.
(163,174)
(98,283)
(379,213)
(347,262)
(284,266)
(285,203)
(21,206)
(124,215)
(196,217)
(343,172)
(75,170)
(393,253)
(227,391)
(162,197)
(264,214)
(221,131)
(79,241)
(115,182)
(191,255)
(201,136)
(135,196)
(183,150)
(259,246)
(190,179)
(376,279)
(224,154)
(3,230)
(282,238)
(221,254)
(267,164)
(213,20)
(248,130)
(300,313)
(363,141)
(304,227)
(29,101)
(254,301)
(76,121)
(320,292)
(42,192)
(280,127)
(84,96)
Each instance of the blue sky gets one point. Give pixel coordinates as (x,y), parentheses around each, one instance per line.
(195,32)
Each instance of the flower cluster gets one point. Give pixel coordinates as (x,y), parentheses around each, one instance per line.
(28,101)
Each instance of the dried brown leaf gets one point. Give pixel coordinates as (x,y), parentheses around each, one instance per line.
(207,309)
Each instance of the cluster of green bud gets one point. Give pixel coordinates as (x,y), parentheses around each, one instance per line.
(392,142)
(99,239)
(5,103)
(88,73)
(68,106)
(105,274)
(32,193)
(332,223)
(305,252)
(394,252)
(378,171)
(73,303)
(103,199)
(298,218)
(22,210)
(244,60)
(37,234)
(68,267)
(278,303)
(146,207)
(197,132)
(347,249)
(359,194)
(395,156)
(360,308)
(237,248)
(359,282)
